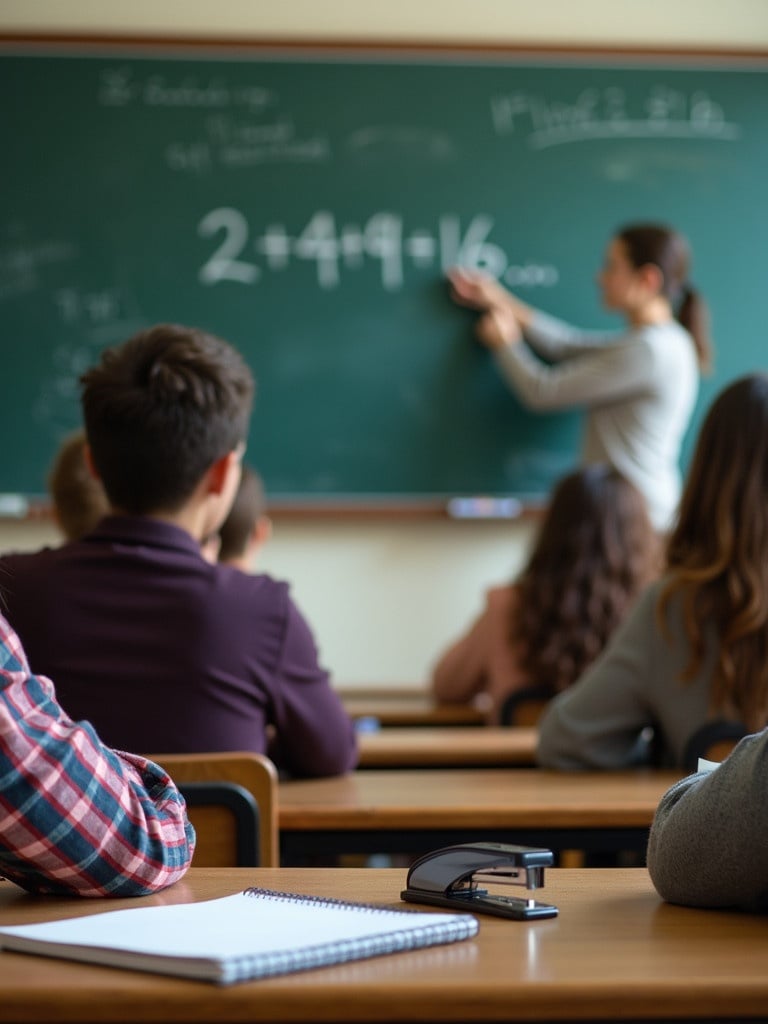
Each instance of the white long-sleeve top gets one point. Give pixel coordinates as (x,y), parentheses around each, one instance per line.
(639,387)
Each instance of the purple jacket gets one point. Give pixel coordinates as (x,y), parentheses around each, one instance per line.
(165,653)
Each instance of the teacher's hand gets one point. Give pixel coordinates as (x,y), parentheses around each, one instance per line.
(481,291)
(477,290)
(497,328)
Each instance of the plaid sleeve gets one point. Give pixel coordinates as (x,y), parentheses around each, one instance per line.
(75,816)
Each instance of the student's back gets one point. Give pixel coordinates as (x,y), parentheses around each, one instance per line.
(161,650)
(165,652)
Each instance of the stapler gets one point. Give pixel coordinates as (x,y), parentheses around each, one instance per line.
(454,875)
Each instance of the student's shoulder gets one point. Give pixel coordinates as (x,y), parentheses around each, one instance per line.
(252,587)
(502,599)
(22,563)
(646,604)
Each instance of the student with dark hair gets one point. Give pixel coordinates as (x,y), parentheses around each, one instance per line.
(639,385)
(76,818)
(247,526)
(79,501)
(161,650)
(695,646)
(595,551)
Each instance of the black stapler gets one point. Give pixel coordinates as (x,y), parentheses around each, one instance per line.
(453,877)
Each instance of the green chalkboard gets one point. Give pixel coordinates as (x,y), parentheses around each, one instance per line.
(304,205)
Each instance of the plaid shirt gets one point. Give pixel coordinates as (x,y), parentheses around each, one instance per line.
(75,816)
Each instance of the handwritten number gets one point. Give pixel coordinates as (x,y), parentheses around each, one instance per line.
(224,264)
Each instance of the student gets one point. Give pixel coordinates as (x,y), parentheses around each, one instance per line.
(78,498)
(246,529)
(707,844)
(161,650)
(638,385)
(595,551)
(247,526)
(76,818)
(695,646)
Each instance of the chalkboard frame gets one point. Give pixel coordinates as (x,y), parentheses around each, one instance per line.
(96,44)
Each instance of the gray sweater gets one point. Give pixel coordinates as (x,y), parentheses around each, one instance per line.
(709,841)
(639,387)
(599,721)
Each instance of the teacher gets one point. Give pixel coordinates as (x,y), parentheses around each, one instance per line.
(639,385)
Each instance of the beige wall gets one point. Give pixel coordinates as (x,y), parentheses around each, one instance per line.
(384,597)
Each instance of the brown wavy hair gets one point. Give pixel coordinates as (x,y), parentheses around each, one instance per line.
(717,554)
(595,551)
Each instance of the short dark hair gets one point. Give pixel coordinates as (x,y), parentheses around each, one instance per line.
(247,508)
(159,410)
(78,497)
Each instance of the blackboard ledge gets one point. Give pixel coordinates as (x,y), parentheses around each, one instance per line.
(17,508)
(340,509)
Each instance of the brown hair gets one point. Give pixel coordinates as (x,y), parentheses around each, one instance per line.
(595,551)
(159,410)
(247,508)
(79,501)
(717,554)
(663,247)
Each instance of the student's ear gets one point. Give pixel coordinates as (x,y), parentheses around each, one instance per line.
(219,473)
(262,531)
(88,460)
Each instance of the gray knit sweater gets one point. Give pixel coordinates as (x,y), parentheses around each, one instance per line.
(709,841)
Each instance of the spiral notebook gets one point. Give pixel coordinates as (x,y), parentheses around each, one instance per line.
(257,933)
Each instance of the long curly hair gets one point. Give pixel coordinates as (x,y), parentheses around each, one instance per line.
(595,551)
(717,553)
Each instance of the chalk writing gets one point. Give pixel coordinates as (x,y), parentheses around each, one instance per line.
(87,319)
(383,238)
(97,306)
(121,86)
(23,260)
(237,142)
(605,113)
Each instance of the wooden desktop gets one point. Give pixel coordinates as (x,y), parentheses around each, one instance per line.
(434,746)
(408,706)
(413,811)
(615,952)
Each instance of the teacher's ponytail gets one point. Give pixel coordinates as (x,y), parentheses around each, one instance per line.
(693,314)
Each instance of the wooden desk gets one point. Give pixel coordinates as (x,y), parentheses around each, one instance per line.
(433,746)
(616,952)
(406,707)
(413,811)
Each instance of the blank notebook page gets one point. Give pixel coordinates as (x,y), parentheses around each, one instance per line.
(255,933)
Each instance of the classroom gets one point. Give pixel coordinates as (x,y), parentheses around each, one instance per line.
(407,577)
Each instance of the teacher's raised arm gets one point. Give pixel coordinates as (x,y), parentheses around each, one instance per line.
(638,385)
